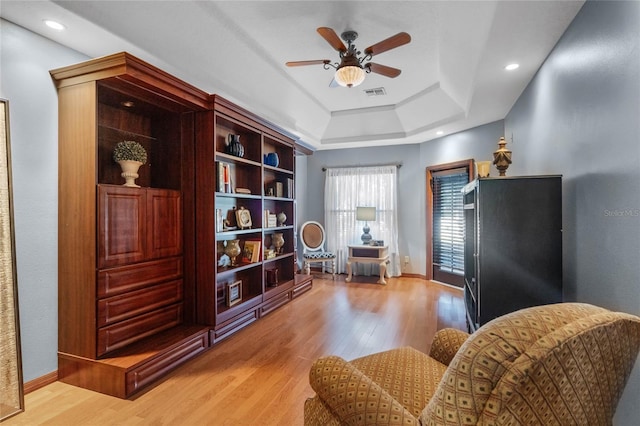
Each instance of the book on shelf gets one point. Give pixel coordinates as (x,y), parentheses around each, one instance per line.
(290,188)
(219,221)
(219,176)
(223,177)
(227,179)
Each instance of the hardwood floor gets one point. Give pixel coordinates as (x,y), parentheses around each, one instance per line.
(260,375)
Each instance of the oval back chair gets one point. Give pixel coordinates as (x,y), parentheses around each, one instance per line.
(313,239)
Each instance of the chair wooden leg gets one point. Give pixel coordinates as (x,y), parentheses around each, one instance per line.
(333,268)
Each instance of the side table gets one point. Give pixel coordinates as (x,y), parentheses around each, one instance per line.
(359,253)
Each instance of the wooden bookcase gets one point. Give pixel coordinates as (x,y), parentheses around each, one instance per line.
(126,272)
(268,187)
(140,291)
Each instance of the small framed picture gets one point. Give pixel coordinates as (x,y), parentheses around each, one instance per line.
(243,218)
(234,293)
(252,251)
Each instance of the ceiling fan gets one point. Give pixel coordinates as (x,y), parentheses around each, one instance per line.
(350,71)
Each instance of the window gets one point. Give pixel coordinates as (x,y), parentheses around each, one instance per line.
(348,188)
(448,221)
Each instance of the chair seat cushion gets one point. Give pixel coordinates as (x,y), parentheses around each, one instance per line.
(319,255)
(408,375)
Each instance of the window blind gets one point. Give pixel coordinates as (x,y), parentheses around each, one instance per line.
(448,221)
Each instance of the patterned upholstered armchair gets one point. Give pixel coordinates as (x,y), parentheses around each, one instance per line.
(563,364)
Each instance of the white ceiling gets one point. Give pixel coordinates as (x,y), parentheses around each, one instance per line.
(452,79)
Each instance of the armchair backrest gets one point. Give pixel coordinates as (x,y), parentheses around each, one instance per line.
(559,364)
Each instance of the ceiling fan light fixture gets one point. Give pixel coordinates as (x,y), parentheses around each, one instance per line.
(349,76)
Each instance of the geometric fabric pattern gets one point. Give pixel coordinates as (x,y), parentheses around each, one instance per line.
(446,343)
(352,397)
(406,374)
(319,255)
(557,364)
(562,364)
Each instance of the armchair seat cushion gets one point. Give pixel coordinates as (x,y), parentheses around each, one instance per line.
(319,255)
(389,387)
(408,375)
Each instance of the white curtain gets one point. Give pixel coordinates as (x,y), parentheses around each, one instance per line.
(348,188)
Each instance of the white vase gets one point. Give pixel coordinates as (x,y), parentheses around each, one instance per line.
(130,172)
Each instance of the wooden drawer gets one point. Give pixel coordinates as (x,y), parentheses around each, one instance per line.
(302,288)
(156,368)
(128,305)
(234,325)
(275,303)
(133,277)
(126,332)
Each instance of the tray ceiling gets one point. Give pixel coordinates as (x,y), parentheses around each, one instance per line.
(452,78)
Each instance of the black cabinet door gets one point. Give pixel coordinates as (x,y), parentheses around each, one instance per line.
(518,258)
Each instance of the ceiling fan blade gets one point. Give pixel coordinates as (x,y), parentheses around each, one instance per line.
(388,44)
(332,38)
(302,63)
(383,70)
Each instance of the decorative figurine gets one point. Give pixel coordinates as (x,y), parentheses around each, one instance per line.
(502,157)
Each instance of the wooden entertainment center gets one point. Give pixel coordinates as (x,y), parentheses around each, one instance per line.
(139,287)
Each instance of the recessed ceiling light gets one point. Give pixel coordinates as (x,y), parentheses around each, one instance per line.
(512,67)
(439,132)
(54,24)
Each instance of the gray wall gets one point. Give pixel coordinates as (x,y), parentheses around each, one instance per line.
(26,59)
(478,143)
(580,117)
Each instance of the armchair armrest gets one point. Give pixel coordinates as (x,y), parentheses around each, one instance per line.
(446,343)
(354,397)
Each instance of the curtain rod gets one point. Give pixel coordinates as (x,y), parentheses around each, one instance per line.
(398,165)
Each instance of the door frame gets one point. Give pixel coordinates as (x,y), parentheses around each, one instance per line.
(469,164)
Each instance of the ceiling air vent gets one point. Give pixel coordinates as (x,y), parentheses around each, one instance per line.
(378,91)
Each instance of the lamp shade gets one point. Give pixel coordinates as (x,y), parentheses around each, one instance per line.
(349,76)
(366,213)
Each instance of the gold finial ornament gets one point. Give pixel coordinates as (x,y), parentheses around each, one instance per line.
(502,157)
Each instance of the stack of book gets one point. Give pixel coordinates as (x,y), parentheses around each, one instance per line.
(270,220)
(269,253)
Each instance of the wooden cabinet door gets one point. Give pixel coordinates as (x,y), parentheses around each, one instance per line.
(164,223)
(121,225)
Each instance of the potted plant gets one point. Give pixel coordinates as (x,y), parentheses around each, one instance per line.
(130,155)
